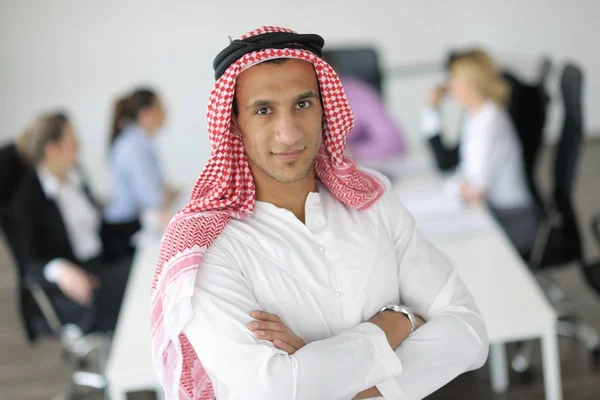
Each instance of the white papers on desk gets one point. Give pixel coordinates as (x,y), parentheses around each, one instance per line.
(431,197)
(428,202)
(440,212)
(398,168)
(474,222)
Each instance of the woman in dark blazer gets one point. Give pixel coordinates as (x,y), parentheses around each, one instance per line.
(58,228)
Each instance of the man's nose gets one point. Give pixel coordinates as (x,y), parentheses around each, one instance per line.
(287,131)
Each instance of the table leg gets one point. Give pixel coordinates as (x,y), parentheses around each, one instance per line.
(498,367)
(116,393)
(160,393)
(551,363)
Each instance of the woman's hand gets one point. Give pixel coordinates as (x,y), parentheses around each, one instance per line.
(470,194)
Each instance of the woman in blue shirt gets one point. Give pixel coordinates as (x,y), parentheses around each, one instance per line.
(140,194)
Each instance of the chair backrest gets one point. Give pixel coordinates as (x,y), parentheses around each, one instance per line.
(596,228)
(31,316)
(568,152)
(30,313)
(358,62)
(528,109)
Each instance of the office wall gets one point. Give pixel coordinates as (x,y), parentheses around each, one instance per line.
(81,54)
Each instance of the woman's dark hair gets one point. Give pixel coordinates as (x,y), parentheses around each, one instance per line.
(128,108)
(44,129)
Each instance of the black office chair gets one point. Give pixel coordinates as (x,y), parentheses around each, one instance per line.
(596,228)
(558,240)
(592,272)
(40,318)
(528,109)
(358,62)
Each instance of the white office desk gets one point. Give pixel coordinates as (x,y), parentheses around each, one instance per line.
(129,367)
(511,303)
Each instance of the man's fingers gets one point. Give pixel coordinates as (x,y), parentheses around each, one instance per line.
(264,316)
(271,336)
(299,343)
(269,327)
(287,337)
(266,326)
(284,346)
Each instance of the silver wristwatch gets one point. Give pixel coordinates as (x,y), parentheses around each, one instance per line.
(404,310)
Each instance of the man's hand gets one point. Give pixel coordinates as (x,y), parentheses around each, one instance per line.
(76,284)
(368,394)
(269,327)
(396,326)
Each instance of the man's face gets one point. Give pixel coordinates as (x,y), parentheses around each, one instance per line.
(279,119)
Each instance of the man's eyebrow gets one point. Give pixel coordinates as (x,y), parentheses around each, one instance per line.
(265,103)
(307,95)
(260,103)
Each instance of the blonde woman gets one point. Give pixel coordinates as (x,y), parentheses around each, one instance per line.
(489,160)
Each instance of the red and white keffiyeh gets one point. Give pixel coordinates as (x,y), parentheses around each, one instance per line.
(225,190)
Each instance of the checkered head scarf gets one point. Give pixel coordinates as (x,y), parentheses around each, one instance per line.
(225,189)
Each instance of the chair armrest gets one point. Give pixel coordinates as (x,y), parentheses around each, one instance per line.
(596,228)
(31,280)
(41,298)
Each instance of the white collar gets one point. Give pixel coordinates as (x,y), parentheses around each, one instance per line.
(51,184)
(313,200)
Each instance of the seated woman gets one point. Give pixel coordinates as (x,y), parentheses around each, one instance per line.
(140,194)
(58,224)
(489,159)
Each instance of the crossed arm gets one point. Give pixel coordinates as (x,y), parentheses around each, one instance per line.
(269,327)
(377,357)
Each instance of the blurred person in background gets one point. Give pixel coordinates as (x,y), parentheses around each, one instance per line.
(489,156)
(58,226)
(140,194)
(376,135)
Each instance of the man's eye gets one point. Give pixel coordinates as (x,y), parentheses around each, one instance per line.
(263,111)
(303,104)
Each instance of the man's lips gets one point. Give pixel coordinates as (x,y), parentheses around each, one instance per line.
(288,155)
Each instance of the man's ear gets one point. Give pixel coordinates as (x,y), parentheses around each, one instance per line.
(235,128)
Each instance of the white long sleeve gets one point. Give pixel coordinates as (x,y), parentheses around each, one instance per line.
(491,158)
(454,338)
(431,123)
(335,368)
(324,279)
